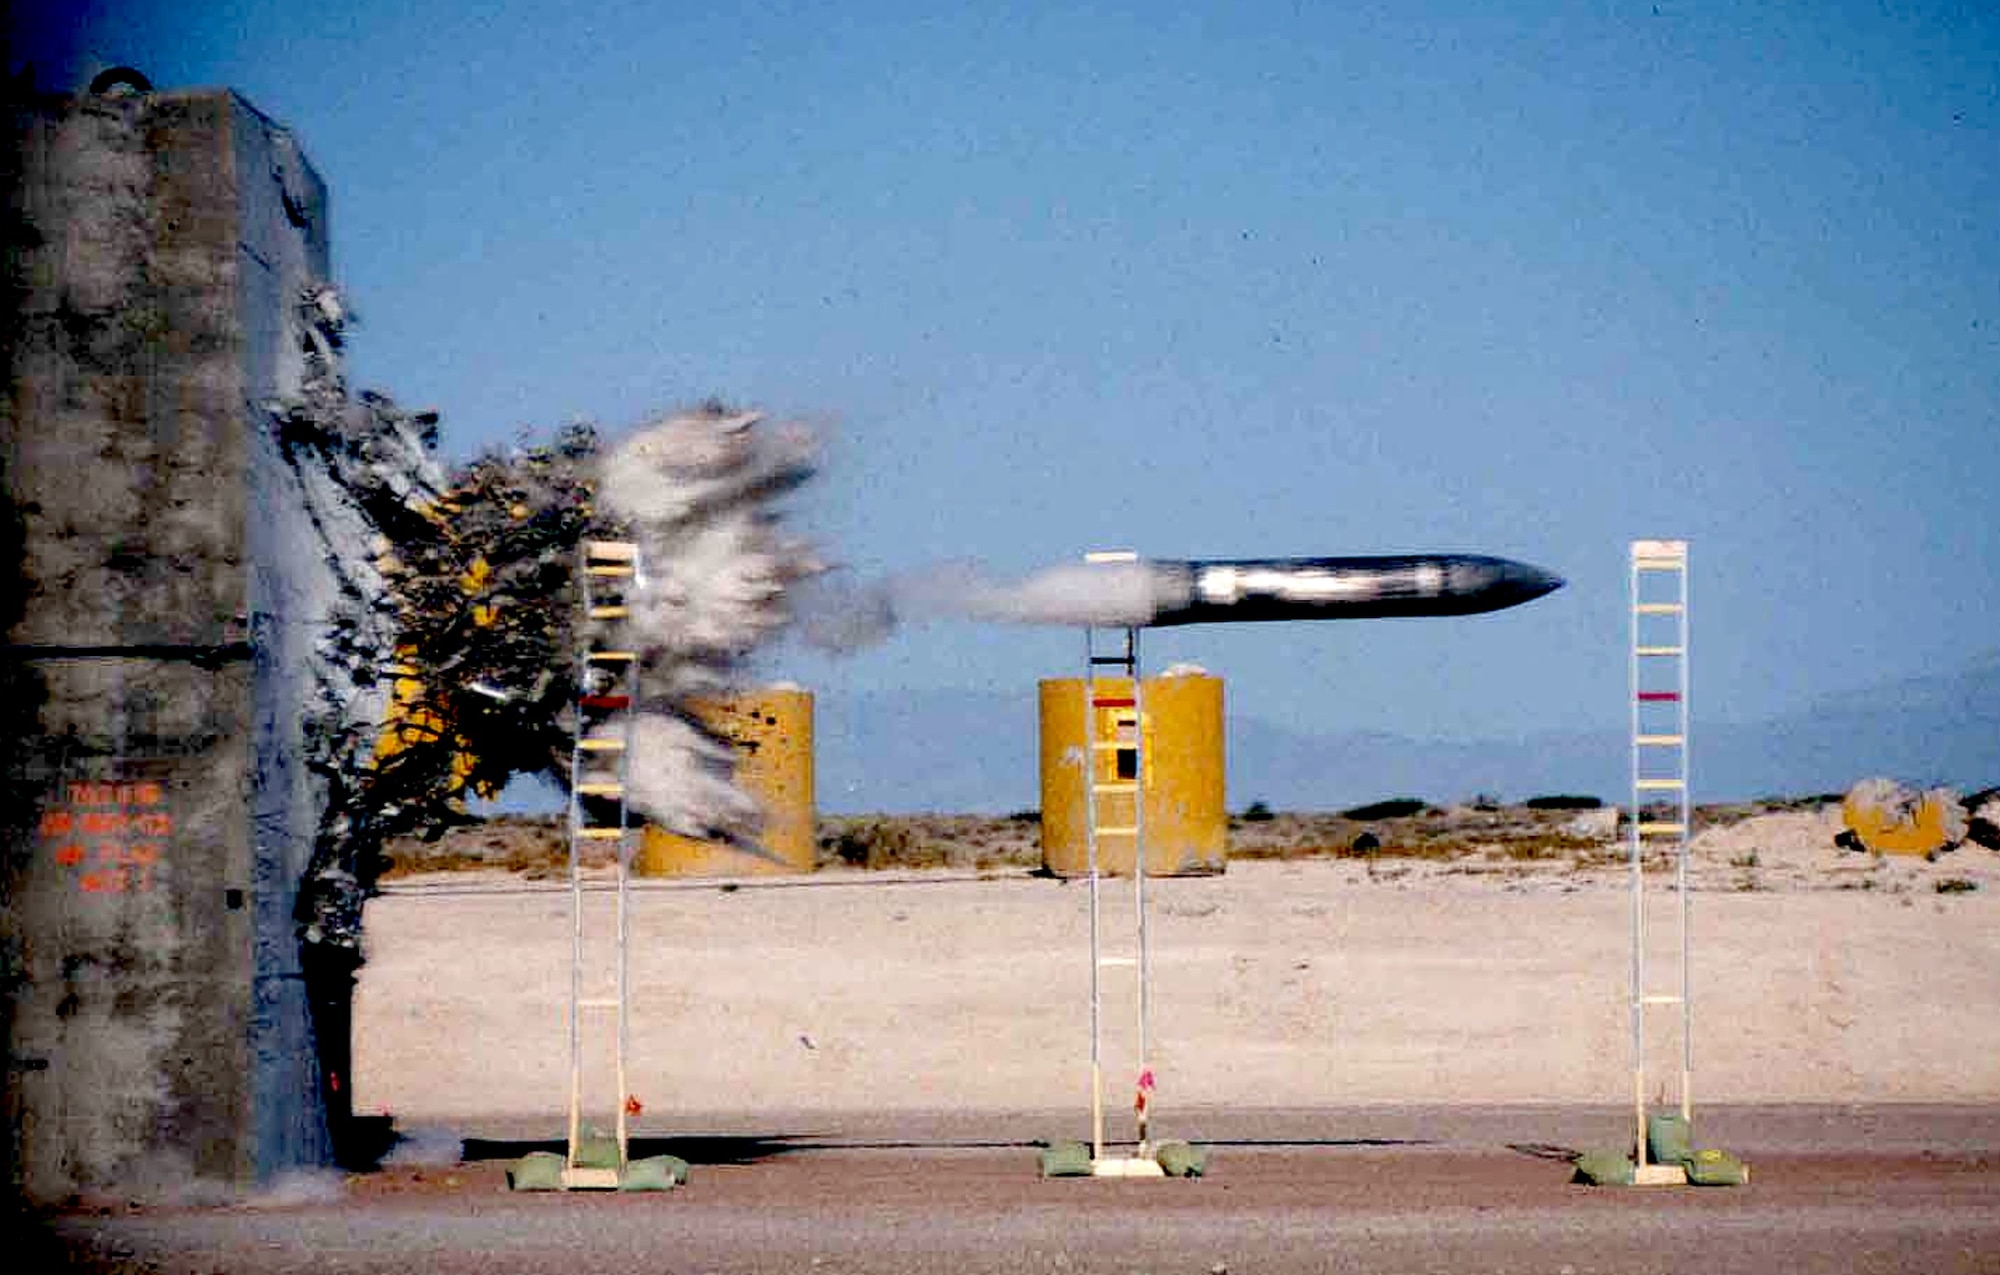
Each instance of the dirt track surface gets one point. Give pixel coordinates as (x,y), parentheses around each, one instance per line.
(1442,1189)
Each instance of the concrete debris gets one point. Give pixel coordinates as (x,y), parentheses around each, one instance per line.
(481,579)
(373,490)
(474,653)
(1884,817)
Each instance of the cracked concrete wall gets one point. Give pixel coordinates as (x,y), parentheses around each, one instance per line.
(177,566)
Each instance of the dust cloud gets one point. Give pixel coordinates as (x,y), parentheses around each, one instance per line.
(699,493)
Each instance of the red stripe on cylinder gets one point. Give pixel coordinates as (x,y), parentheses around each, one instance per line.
(1114,703)
(1659,697)
(606,701)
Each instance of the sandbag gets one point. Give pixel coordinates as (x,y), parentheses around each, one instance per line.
(1710,1167)
(654,1173)
(1604,1168)
(1669,1139)
(1181,1159)
(536,1171)
(1066,1160)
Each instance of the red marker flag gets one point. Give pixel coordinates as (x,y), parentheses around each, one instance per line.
(1145,1094)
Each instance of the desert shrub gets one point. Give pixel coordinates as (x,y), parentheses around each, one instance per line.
(1564,801)
(1395,808)
(1258,812)
(1956,885)
(872,843)
(1025,816)
(1536,849)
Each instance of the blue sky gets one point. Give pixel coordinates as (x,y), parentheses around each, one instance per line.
(1215,281)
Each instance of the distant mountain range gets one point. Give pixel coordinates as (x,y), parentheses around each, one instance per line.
(974,752)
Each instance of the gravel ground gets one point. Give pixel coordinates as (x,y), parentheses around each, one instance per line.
(1396,1189)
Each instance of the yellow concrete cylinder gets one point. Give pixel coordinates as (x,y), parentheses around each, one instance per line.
(773,733)
(1186,828)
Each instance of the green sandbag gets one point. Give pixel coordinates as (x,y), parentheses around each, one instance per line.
(654,1173)
(1710,1167)
(1604,1168)
(1066,1160)
(1181,1160)
(536,1171)
(1668,1139)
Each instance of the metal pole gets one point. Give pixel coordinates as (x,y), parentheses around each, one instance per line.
(1687,834)
(576,894)
(1638,887)
(1090,753)
(1145,970)
(631,689)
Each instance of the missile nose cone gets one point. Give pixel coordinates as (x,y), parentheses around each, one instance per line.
(1495,584)
(1532,582)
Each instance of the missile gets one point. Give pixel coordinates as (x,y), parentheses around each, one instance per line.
(1124,590)
(1264,589)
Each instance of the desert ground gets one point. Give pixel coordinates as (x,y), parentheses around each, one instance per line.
(1487,966)
(1393,1189)
(1391,1053)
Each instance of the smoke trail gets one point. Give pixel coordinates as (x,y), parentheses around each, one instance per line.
(699,492)
(844,615)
